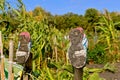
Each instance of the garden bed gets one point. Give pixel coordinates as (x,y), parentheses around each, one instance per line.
(113,74)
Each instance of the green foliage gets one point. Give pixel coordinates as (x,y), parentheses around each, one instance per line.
(108,35)
(92,15)
(49,47)
(110,67)
(95,76)
(97,53)
(68,21)
(92,74)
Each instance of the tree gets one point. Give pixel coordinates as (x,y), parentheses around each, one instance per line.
(69,20)
(92,15)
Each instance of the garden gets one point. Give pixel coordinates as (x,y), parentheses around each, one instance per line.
(50,43)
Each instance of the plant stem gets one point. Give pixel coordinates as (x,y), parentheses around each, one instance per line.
(2,58)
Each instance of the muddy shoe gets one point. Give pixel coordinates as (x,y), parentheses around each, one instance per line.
(75,37)
(21,57)
(77,57)
(76,53)
(23,51)
(81,58)
(23,46)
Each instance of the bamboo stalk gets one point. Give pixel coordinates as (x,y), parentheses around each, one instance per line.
(2,58)
(10,74)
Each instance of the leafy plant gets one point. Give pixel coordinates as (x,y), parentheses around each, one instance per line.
(110,67)
(109,35)
(97,54)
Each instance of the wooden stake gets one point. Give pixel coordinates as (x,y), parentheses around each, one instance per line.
(2,58)
(10,74)
(78,73)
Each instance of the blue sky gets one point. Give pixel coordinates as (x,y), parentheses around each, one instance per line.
(61,7)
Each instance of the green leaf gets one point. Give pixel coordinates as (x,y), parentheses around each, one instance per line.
(95,76)
(110,67)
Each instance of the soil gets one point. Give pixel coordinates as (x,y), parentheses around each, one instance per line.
(107,75)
